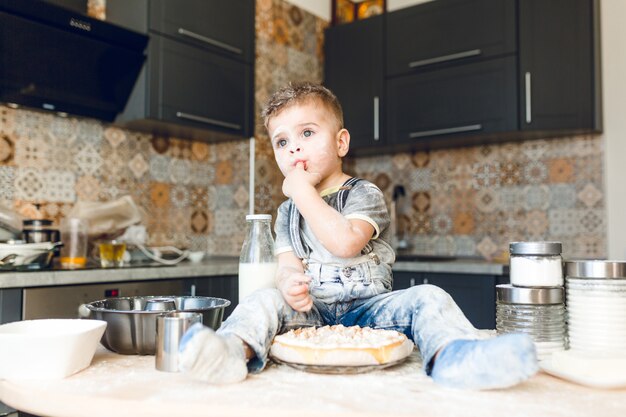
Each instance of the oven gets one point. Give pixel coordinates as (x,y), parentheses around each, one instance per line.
(64,301)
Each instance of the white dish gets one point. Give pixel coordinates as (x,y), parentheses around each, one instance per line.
(585,370)
(47,349)
(196,257)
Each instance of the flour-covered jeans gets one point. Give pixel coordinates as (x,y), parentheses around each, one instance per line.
(424,313)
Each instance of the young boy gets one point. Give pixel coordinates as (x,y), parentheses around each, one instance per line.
(334,267)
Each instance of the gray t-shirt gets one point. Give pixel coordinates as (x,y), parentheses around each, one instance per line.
(365,202)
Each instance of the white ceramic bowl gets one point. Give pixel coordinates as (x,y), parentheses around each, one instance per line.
(196,257)
(48,349)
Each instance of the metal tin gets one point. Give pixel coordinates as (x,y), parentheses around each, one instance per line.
(535,248)
(507,293)
(170,329)
(597,269)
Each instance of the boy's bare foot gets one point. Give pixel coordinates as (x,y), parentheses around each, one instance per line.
(212,358)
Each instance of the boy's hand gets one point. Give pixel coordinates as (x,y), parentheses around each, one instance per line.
(298,178)
(295,291)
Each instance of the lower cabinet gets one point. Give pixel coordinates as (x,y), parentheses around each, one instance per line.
(221,287)
(474,294)
(10,306)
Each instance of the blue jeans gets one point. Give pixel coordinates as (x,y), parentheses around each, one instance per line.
(424,313)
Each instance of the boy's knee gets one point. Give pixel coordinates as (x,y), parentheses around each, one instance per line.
(429,291)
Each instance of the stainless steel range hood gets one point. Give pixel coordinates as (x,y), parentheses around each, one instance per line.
(55,59)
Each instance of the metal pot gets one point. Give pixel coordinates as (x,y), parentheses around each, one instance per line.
(39,230)
(131,327)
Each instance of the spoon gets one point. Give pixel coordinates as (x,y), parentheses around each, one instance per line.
(8,260)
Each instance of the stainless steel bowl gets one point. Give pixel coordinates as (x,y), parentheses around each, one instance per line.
(131,328)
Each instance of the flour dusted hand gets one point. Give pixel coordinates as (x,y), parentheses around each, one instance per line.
(295,290)
(299,179)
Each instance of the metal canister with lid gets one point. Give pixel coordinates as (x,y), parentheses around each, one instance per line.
(39,230)
(536,264)
(538,312)
(596,303)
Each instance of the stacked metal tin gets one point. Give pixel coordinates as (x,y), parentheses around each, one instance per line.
(534,302)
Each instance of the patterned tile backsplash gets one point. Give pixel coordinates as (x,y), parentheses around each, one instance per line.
(463,202)
(474,201)
(47,163)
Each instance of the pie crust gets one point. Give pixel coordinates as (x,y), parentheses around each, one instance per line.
(341,346)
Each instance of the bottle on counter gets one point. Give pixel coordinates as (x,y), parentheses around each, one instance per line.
(257,262)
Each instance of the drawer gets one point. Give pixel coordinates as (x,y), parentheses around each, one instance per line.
(446,32)
(469,99)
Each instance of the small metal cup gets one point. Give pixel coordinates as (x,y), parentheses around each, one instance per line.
(170,329)
(160,304)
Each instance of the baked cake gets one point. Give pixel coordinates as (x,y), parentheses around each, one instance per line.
(341,346)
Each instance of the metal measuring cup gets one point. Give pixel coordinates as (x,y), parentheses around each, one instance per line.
(170,329)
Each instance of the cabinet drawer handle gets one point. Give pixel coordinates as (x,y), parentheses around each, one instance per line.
(206,120)
(209,41)
(376,118)
(425,281)
(529,97)
(445,58)
(435,132)
(411,282)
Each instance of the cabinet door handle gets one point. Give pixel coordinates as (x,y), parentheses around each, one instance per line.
(435,132)
(209,41)
(528,97)
(425,281)
(376,118)
(445,58)
(411,282)
(206,120)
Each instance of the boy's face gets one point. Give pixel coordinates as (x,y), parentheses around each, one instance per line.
(308,133)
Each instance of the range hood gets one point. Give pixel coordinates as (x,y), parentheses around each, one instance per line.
(55,59)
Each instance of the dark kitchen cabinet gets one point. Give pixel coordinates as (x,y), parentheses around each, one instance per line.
(220,26)
(449,31)
(474,294)
(219,286)
(10,305)
(559,65)
(198,81)
(466,72)
(476,98)
(354,72)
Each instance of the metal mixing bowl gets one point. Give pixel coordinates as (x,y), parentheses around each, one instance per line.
(131,328)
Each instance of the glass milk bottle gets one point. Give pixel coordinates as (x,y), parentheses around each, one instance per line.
(257,263)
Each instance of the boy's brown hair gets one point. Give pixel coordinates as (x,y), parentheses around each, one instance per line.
(297,93)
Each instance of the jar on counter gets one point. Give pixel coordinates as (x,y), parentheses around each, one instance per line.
(538,312)
(596,302)
(536,264)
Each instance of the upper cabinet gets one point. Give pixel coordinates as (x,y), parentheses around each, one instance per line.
(463,72)
(354,72)
(559,65)
(449,31)
(220,26)
(199,77)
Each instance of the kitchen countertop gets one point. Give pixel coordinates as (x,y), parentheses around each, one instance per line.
(130,383)
(216,266)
